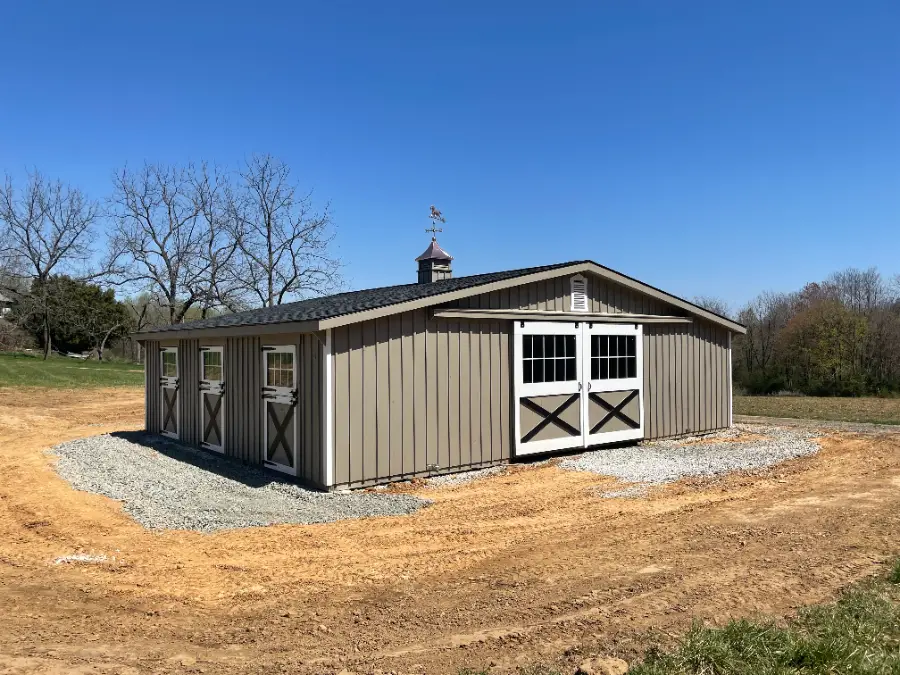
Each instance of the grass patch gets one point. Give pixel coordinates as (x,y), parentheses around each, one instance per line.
(30,370)
(862,409)
(858,634)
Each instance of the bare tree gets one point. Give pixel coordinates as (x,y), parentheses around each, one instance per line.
(159,235)
(45,230)
(284,244)
(713,304)
(220,243)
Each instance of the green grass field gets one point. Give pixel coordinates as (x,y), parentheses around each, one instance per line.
(862,409)
(27,370)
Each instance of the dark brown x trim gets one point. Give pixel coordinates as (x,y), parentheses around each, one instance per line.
(170,409)
(280,429)
(614,411)
(550,417)
(212,418)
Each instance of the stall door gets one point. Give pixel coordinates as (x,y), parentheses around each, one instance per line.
(279,397)
(548,409)
(212,397)
(614,373)
(168,383)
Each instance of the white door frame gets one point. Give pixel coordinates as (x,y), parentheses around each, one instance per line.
(216,387)
(285,395)
(613,384)
(525,390)
(169,382)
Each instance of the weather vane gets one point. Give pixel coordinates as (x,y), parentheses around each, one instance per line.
(436,217)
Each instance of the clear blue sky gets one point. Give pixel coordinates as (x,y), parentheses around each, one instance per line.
(705,147)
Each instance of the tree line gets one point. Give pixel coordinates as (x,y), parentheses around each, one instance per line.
(840,336)
(178,242)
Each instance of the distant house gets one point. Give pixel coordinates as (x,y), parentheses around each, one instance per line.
(447,374)
(6,304)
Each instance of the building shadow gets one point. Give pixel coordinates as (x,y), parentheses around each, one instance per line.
(207,460)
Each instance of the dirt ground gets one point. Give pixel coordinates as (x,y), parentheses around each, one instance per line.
(511,570)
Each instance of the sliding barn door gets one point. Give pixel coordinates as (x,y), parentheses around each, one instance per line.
(614,373)
(548,365)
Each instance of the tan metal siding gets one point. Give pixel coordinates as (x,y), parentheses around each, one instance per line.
(686,385)
(189,391)
(311,388)
(435,392)
(604,296)
(152,395)
(243,408)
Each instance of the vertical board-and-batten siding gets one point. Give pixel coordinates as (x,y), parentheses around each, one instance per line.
(686,379)
(554,295)
(243,373)
(152,396)
(188,392)
(415,395)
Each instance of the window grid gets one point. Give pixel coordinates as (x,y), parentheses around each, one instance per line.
(212,366)
(170,364)
(548,358)
(280,369)
(613,357)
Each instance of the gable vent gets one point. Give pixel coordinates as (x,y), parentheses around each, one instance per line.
(579,294)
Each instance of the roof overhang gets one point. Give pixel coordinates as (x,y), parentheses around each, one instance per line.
(442,298)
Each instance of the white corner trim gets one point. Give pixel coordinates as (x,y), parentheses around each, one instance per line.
(730,385)
(328,411)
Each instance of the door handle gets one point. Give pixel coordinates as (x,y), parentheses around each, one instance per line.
(589,386)
(579,386)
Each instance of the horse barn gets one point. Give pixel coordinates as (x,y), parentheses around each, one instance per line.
(443,375)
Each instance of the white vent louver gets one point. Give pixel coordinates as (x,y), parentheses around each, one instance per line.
(579,294)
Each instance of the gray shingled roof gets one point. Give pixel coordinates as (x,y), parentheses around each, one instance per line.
(330,306)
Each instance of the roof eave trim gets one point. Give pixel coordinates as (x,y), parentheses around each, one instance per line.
(230,331)
(419,303)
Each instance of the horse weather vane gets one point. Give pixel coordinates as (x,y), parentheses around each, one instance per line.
(436,217)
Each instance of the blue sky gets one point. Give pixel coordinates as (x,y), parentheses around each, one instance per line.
(713,147)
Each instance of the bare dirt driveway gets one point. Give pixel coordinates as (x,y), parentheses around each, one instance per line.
(519,568)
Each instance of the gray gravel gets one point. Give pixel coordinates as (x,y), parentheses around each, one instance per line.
(454,479)
(166,485)
(671,460)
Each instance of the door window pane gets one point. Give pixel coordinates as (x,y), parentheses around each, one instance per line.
(212,366)
(615,357)
(280,369)
(170,364)
(548,358)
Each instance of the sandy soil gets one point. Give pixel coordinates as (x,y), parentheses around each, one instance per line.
(523,567)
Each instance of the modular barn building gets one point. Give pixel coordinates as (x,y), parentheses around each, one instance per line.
(443,375)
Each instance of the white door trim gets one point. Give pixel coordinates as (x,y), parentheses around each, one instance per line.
(216,387)
(169,382)
(286,395)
